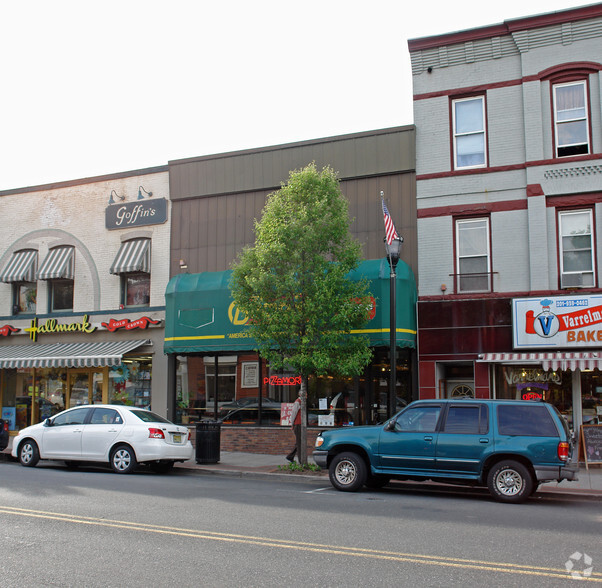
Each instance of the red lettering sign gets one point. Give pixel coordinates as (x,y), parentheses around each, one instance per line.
(283,380)
(6,330)
(128,325)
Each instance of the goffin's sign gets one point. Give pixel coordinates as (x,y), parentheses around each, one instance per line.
(136,214)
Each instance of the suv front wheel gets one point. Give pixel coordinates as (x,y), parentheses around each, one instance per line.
(348,472)
(510,481)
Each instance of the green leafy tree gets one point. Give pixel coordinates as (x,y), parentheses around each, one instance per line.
(292,283)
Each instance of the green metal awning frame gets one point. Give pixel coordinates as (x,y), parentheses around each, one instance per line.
(200,315)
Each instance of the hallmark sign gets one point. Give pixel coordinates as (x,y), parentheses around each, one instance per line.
(136,214)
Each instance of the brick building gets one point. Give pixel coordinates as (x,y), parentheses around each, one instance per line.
(509,203)
(83,270)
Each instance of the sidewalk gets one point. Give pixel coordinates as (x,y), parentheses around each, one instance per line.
(236,463)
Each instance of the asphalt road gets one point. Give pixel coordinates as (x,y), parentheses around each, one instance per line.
(90,527)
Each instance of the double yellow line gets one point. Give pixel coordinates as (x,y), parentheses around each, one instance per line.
(431,560)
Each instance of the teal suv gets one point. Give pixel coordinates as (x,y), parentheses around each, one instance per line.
(509,446)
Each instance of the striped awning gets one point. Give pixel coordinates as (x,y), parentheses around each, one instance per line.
(58,264)
(54,355)
(133,256)
(549,361)
(21,267)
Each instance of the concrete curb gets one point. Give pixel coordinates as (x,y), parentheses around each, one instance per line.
(322,480)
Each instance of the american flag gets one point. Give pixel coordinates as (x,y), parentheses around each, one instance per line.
(389,226)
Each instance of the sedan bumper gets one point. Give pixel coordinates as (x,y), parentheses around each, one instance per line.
(321,458)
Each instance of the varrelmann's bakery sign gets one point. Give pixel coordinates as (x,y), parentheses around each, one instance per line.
(557,322)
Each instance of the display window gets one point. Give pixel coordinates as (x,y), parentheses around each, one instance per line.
(30,395)
(331,401)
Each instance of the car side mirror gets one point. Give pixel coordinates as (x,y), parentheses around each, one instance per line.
(48,423)
(390,426)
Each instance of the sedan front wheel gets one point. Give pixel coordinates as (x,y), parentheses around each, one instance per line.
(29,454)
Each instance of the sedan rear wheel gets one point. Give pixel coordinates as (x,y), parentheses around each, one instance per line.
(123,459)
(29,454)
(348,472)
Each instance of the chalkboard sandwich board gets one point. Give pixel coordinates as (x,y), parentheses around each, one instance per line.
(591,437)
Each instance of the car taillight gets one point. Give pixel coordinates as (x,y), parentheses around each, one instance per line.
(6,425)
(563,450)
(189,435)
(156,434)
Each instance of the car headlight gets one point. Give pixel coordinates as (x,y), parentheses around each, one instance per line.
(319,441)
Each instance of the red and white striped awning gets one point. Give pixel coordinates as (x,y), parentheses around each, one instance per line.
(549,361)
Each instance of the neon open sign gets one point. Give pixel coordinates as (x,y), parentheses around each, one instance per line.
(283,380)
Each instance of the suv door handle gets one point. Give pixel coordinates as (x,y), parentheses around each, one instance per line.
(484,440)
(428,438)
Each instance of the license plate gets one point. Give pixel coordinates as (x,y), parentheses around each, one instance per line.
(177,438)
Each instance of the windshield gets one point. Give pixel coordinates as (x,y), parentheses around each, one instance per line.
(150,417)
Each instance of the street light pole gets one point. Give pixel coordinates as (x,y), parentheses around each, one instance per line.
(393,253)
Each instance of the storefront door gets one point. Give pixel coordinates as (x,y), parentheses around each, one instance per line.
(85,387)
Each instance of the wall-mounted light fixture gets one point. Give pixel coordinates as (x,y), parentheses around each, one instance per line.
(183,264)
(111,201)
(140,190)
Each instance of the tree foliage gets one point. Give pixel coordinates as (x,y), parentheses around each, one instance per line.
(292,283)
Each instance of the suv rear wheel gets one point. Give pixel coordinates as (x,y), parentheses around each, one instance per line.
(348,472)
(510,481)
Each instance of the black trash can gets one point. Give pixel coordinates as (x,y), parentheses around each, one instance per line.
(208,441)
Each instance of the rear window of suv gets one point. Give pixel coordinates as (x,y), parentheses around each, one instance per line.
(534,421)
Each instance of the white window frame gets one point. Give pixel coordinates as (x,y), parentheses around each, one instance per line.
(482,131)
(585,118)
(566,280)
(464,222)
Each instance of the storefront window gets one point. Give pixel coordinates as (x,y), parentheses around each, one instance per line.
(591,396)
(533,383)
(130,382)
(241,379)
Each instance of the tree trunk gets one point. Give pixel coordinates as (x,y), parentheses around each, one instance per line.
(303,440)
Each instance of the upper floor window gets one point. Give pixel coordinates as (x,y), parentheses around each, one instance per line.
(58,268)
(473,260)
(576,249)
(133,264)
(21,273)
(571,119)
(469,139)
(24,297)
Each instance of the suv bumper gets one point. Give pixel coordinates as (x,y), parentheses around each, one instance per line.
(321,458)
(558,473)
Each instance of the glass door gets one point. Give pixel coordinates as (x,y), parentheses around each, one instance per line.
(79,388)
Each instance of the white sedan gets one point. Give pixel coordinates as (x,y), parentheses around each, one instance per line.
(122,436)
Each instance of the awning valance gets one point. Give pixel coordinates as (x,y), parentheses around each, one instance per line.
(57,264)
(549,361)
(55,355)
(201,316)
(21,267)
(133,256)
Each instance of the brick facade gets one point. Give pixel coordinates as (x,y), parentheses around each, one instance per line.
(270,440)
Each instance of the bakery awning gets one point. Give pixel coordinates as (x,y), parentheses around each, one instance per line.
(21,267)
(549,361)
(200,315)
(54,355)
(57,264)
(133,256)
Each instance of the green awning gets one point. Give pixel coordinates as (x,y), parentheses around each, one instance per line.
(200,316)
